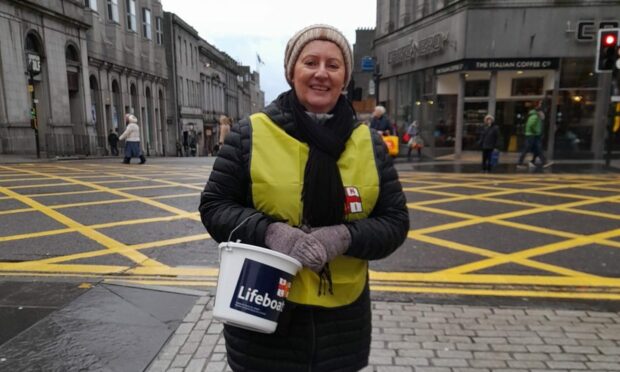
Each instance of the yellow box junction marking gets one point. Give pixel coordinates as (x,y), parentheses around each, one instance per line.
(454,280)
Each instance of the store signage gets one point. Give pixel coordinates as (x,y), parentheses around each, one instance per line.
(368,64)
(586,30)
(419,48)
(500,64)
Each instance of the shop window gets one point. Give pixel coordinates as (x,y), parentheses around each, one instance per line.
(477,88)
(473,123)
(575,120)
(578,73)
(530,86)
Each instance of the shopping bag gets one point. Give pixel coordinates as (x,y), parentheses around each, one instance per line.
(392,144)
(406,137)
(494,157)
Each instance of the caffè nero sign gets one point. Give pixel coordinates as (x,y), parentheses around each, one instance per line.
(419,48)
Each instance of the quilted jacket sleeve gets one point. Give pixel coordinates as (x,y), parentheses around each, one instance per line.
(225,202)
(386,228)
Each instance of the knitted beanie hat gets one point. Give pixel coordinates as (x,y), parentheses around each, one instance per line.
(130,118)
(316,32)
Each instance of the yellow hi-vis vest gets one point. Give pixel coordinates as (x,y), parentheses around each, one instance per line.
(277,166)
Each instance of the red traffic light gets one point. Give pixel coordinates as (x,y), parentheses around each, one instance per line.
(607,49)
(609,40)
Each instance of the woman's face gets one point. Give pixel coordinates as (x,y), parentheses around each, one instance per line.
(318,76)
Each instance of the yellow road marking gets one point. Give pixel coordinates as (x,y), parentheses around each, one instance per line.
(84,230)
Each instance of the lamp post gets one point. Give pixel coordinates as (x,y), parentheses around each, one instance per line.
(34,68)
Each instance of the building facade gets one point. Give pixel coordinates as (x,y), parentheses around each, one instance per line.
(204,84)
(449,63)
(127,69)
(95,60)
(363,83)
(48,39)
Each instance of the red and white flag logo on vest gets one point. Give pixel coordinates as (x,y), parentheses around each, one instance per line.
(353,200)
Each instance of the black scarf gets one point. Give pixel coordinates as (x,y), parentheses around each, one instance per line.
(323,193)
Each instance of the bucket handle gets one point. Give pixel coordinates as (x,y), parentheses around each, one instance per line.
(241,224)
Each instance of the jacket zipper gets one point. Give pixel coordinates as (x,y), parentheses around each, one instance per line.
(313,342)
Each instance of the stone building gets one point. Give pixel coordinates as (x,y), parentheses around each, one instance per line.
(204,84)
(98,60)
(127,69)
(49,39)
(448,63)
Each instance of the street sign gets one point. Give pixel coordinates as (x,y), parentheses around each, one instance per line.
(368,64)
(34,63)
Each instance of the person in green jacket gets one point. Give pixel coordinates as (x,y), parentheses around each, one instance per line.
(533,138)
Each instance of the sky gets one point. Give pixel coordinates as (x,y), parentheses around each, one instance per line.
(245,28)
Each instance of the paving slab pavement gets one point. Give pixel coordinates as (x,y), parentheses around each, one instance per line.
(426,337)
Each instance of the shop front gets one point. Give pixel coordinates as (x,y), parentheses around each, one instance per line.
(451,71)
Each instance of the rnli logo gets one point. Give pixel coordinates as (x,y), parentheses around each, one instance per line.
(353,200)
(283,288)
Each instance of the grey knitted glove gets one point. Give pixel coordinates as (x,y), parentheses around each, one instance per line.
(310,252)
(282,237)
(321,246)
(336,239)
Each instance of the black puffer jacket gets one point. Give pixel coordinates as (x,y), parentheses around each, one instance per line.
(307,338)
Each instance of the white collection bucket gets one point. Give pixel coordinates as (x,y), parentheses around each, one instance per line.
(252,285)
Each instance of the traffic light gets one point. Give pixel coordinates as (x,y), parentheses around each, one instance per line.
(607,49)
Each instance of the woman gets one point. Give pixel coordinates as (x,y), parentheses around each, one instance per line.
(225,124)
(415,140)
(488,142)
(131,135)
(326,194)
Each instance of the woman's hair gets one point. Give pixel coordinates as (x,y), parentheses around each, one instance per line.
(225,120)
(489,117)
(380,109)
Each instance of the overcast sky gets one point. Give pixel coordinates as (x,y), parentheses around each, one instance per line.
(244,28)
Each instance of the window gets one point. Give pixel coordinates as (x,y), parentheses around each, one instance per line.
(92,4)
(131,15)
(159,31)
(578,73)
(477,88)
(527,86)
(146,23)
(113,10)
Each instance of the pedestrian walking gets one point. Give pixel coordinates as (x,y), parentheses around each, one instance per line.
(415,140)
(131,135)
(224,129)
(113,142)
(533,138)
(333,202)
(488,142)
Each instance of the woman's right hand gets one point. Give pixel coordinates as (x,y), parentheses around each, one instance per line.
(282,237)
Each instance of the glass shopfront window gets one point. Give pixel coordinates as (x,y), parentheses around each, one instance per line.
(575,121)
(576,107)
(445,129)
(477,88)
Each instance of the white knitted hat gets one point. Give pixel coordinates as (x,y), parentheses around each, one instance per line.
(130,118)
(316,32)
